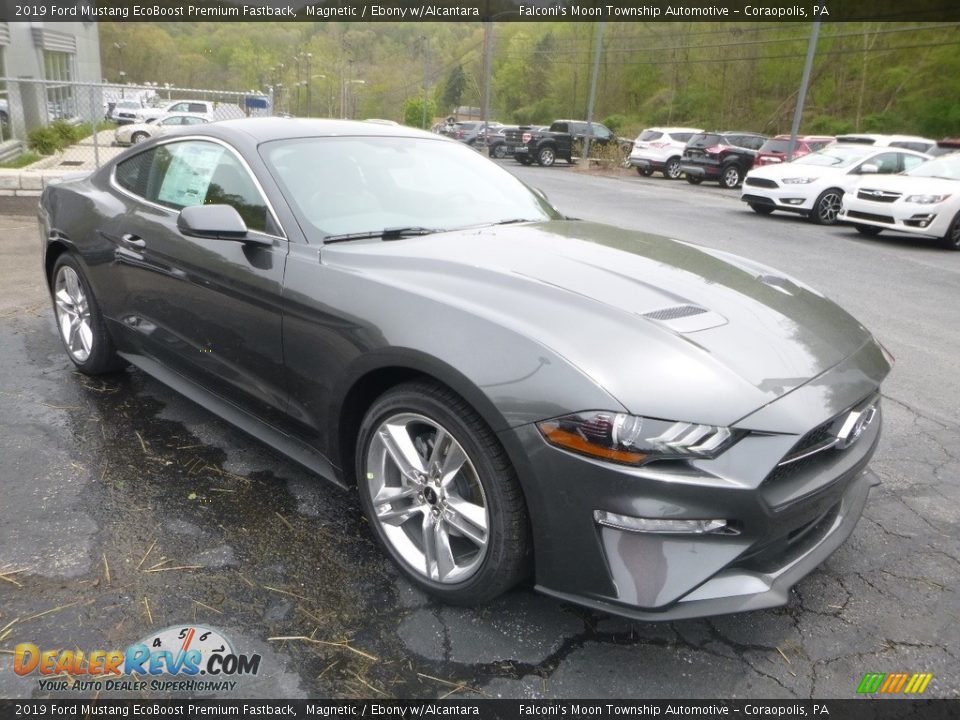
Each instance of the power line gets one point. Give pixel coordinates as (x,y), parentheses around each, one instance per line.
(839,51)
(744,43)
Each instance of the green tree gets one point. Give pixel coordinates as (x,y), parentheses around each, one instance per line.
(453,88)
(414,115)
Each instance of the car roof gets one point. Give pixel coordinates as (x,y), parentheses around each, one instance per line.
(272,128)
(672,129)
(805,138)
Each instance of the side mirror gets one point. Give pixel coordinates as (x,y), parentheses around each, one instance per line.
(212,221)
(869,169)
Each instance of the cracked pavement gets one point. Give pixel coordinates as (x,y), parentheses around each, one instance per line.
(108,485)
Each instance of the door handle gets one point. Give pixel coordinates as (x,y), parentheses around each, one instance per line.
(133,240)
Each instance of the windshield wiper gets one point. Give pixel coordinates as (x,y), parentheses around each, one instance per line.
(392,233)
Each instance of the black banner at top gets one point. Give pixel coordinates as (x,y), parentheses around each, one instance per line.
(480,10)
(193,709)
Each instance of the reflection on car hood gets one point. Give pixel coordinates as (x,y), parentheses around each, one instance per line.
(663,326)
(778,171)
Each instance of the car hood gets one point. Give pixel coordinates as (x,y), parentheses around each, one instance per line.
(668,329)
(907,184)
(778,171)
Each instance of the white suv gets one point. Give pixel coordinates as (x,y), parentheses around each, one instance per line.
(659,149)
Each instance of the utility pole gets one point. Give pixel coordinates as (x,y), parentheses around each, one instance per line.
(487,74)
(593,88)
(426,79)
(802,94)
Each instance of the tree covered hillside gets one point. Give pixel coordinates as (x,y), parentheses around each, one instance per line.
(884,77)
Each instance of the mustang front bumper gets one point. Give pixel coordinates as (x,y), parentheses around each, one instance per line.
(784,519)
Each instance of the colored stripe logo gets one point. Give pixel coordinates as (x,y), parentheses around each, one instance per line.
(894,683)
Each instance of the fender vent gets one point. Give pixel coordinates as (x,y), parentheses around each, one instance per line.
(675,313)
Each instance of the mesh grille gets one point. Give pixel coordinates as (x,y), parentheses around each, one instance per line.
(760,182)
(813,438)
(675,313)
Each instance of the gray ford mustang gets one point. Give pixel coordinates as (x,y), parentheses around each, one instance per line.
(643,426)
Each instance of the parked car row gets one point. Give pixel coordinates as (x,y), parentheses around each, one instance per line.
(874,186)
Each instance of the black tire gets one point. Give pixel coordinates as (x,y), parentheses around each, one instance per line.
(731,176)
(524,159)
(505,559)
(499,151)
(694,179)
(547,156)
(868,230)
(760,209)
(138,137)
(951,240)
(101,355)
(645,171)
(671,171)
(827,206)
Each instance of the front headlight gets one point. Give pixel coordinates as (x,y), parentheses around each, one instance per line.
(634,440)
(798,180)
(925,199)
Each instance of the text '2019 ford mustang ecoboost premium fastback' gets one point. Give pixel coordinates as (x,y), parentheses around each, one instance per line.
(647,427)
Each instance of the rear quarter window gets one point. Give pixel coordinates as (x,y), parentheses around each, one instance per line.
(649,135)
(681,137)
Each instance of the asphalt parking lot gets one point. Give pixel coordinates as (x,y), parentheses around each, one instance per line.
(126,509)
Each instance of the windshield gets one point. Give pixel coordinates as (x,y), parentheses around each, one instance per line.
(348,185)
(838,156)
(946,168)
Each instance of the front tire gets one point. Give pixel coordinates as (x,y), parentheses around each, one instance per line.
(138,137)
(644,171)
(827,207)
(441,495)
(499,151)
(694,179)
(547,156)
(868,230)
(951,241)
(79,321)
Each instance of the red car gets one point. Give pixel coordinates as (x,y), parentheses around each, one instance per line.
(775,149)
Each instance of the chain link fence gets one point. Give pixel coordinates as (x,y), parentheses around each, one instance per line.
(73,125)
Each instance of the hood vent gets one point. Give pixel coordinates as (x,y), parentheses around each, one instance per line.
(686,318)
(674,313)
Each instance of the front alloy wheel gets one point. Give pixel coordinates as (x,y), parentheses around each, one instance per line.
(441,495)
(827,207)
(547,156)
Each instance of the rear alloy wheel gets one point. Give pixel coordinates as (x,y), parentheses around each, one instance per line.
(547,156)
(951,241)
(827,207)
(868,230)
(441,495)
(81,326)
(671,171)
(730,177)
(761,209)
(138,137)
(694,179)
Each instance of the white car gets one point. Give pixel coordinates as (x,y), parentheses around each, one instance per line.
(924,201)
(138,132)
(814,185)
(659,149)
(910,142)
(194,107)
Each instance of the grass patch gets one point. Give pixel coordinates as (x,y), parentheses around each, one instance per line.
(27,158)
